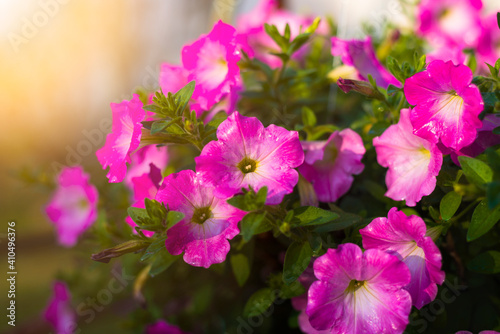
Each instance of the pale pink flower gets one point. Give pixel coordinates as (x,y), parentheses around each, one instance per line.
(446,103)
(359,292)
(73,207)
(330,165)
(406,236)
(141,160)
(450,22)
(124,138)
(413,162)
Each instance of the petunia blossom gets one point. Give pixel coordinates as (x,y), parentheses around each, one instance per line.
(446,103)
(406,236)
(208,222)
(73,207)
(449,22)
(59,312)
(141,160)
(212,61)
(247,154)
(488,44)
(330,165)
(359,292)
(413,162)
(124,138)
(163,327)
(145,186)
(360,55)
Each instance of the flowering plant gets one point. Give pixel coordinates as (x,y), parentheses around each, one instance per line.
(244,182)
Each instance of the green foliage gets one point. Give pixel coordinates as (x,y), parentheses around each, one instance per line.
(483,219)
(297,259)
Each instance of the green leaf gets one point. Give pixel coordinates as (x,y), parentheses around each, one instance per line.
(483,219)
(249,200)
(449,205)
(273,32)
(157,245)
(395,69)
(486,263)
(497,64)
(434,213)
(308,117)
(493,70)
(259,302)
(183,96)
(297,258)
(124,248)
(476,171)
(173,217)
(138,215)
(311,215)
(254,223)
(162,261)
(472,63)
(241,268)
(292,290)
(493,194)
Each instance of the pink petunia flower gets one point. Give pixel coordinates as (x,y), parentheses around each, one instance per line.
(172,78)
(330,165)
(485,138)
(446,104)
(73,207)
(208,223)
(413,162)
(406,236)
(450,22)
(59,312)
(360,55)
(145,186)
(359,292)
(124,138)
(141,160)
(247,154)
(212,61)
(256,42)
(488,44)
(163,327)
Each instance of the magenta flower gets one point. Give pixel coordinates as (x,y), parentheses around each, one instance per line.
(406,236)
(212,62)
(360,55)
(172,78)
(485,138)
(208,223)
(163,327)
(141,160)
(124,138)
(256,42)
(73,207)
(359,292)
(446,104)
(488,44)
(59,312)
(450,22)
(413,162)
(330,165)
(144,186)
(247,154)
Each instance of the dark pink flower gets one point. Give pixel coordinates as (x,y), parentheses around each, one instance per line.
(488,44)
(406,236)
(172,78)
(141,160)
(446,103)
(360,55)
(450,22)
(208,223)
(59,312)
(163,327)
(124,138)
(413,162)
(73,207)
(485,138)
(212,61)
(359,292)
(247,154)
(330,165)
